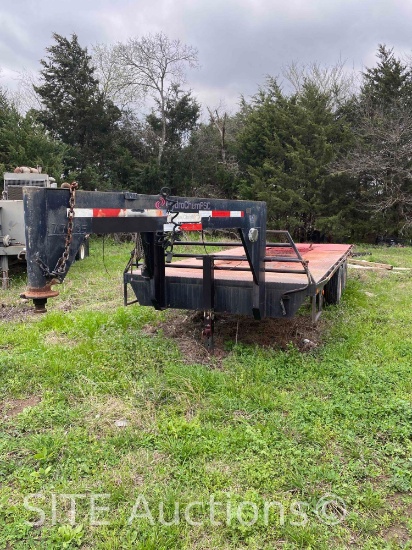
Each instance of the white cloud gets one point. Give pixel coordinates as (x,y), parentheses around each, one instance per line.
(239,41)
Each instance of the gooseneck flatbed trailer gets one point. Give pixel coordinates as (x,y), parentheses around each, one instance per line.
(264,273)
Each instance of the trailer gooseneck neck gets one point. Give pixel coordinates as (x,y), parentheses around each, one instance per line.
(265,279)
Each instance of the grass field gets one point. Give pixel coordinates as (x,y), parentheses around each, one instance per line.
(111,438)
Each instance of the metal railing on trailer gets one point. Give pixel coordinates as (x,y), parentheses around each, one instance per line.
(207,264)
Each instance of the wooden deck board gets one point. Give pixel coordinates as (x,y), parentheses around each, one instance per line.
(321,258)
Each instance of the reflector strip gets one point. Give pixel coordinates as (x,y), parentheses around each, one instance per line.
(116,213)
(108,213)
(191,226)
(182,217)
(82,212)
(189,221)
(221,213)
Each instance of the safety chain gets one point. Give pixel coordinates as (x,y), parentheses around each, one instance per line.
(163,239)
(60,268)
(165,193)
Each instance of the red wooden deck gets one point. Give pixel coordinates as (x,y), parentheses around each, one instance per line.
(320,257)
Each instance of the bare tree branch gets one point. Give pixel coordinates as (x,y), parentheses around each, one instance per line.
(150,66)
(25,98)
(382,160)
(335,82)
(112,81)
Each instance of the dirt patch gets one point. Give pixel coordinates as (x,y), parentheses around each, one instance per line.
(400,502)
(65,306)
(113,414)
(141,466)
(53,338)
(13,407)
(397,534)
(186,330)
(401,505)
(15,312)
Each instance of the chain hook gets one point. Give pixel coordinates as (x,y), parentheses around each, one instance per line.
(60,268)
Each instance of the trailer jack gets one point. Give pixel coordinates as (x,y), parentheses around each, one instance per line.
(208,330)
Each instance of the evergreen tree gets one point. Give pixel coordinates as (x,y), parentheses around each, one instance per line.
(211,157)
(390,81)
(285,148)
(181,114)
(75,111)
(23,142)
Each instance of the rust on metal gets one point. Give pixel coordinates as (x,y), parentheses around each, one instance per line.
(40,296)
(45,292)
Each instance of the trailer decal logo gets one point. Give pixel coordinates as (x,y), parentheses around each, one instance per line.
(187,205)
(160,203)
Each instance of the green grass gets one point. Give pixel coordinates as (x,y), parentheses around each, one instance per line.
(265,426)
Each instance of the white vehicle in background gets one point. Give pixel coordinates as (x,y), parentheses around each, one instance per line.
(12,228)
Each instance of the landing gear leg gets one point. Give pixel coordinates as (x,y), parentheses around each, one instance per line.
(208,329)
(4,272)
(208,301)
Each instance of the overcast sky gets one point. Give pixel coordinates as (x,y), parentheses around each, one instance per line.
(239,41)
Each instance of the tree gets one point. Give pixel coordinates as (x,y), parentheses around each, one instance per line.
(381,159)
(74,109)
(390,81)
(181,113)
(154,65)
(112,78)
(181,116)
(381,162)
(285,148)
(131,154)
(334,82)
(24,98)
(219,121)
(23,141)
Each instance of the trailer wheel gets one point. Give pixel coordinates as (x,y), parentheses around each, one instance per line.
(333,289)
(83,251)
(344,269)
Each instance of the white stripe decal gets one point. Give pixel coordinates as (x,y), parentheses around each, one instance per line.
(190,217)
(82,212)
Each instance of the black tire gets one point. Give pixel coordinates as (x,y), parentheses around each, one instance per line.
(332,291)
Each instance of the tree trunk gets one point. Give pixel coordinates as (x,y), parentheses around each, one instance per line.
(163,137)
